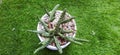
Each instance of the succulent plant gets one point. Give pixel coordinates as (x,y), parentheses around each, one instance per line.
(51,35)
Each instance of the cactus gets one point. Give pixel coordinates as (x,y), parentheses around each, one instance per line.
(52,35)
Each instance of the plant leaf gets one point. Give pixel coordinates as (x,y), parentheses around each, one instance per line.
(72,40)
(63,14)
(43,33)
(53,12)
(36,31)
(43,42)
(46,34)
(45,26)
(81,40)
(65,31)
(61,17)
(44,8)
(47,12)
(69,39)
(46,43)
(65,21)
(58,45)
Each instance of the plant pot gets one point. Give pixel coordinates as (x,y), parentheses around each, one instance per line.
(57,15)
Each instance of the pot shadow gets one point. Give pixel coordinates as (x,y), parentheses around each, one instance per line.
(53,52)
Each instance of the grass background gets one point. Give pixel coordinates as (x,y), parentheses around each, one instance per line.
(98,17)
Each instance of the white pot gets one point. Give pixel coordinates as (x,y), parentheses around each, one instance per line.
(39,27)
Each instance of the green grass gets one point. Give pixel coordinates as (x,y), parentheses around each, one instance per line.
(97,21)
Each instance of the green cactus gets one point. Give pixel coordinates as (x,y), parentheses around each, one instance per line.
(51,35)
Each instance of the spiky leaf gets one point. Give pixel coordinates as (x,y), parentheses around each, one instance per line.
(48,41)
(61,17)
(68,20)
(72,40)
(65,31)
(81,40)
(53,12)
(47,12)
(43,42)
(69,39)
(43,33)
(45,26)
(58,45)
(63,14)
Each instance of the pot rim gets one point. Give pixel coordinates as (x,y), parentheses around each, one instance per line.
(53,47)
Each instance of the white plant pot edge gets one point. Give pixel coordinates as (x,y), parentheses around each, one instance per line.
(53,47)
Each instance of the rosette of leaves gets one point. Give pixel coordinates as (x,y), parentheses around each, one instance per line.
(51,35)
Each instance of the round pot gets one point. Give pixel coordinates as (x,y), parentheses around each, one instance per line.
(57,15)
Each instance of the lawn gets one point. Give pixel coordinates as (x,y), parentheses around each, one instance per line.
(97,21)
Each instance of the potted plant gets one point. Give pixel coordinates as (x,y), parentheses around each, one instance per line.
(56,29)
